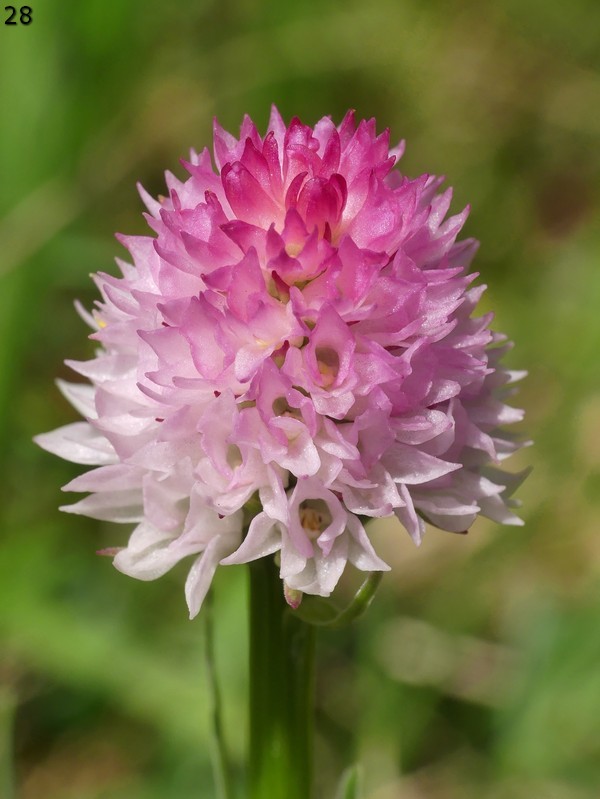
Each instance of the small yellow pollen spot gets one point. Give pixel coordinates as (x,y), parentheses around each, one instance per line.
(315,516)
(327,373)
(328,362)
(311,521)
(293,249)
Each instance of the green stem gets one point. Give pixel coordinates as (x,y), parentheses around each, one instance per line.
(221,768)
(282,650)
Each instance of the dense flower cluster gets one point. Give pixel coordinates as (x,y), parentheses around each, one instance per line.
(299,330)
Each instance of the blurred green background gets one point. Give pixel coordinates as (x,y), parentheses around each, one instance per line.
(477,671)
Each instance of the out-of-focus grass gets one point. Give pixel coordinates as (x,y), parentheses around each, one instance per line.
(475,673)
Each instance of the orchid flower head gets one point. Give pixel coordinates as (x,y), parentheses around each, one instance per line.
(298,330)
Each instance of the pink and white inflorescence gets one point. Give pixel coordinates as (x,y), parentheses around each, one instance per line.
(299,331)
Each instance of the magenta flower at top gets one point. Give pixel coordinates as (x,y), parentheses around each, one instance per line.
(300,328)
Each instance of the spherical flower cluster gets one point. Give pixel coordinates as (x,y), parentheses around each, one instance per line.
(298,338)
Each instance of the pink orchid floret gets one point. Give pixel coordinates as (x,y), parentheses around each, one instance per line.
(299,331)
